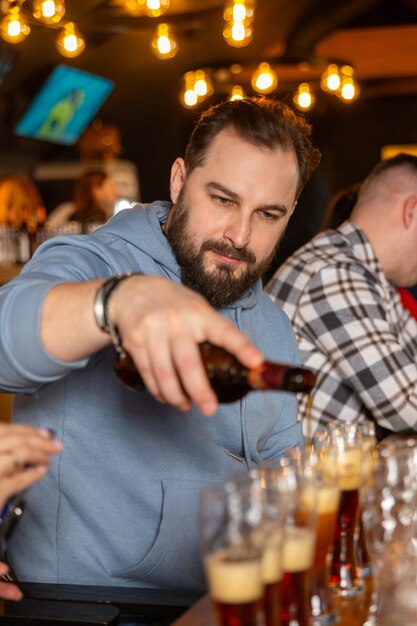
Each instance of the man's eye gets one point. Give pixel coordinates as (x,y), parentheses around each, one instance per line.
(221,200)
(267,215)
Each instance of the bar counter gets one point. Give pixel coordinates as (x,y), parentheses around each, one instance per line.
(352,611)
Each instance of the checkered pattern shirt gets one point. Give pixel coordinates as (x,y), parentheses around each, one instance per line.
(351,328)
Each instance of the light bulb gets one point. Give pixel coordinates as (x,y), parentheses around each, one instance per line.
(238,35)
(237,93)
(239,11)
(202,84)
(70,42)
(331,79)
(349,89)
(164,45)
(49,11)
(188,98)
(303,98)
(264,80)
(13,27)
(153,8)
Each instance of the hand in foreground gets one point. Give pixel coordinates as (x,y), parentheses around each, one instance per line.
(161,323)
(25,454)
(8,591)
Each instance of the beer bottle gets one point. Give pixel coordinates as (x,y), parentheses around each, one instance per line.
(230,379)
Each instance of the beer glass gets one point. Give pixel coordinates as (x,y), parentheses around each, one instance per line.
(230,522)
(342,449)
(328,498)
(298,489)
(273,530)
(367,430)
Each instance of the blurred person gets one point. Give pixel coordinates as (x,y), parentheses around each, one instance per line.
(25,455)
(340,291)
(163,277)
(19,198)
(95,194)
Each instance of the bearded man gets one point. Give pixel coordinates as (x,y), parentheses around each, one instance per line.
(120,506)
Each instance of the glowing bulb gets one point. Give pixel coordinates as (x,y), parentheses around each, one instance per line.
(202,86)
(49,11)
(153,8)
(13,27)
(238,12)
(349,89)
(237,93)
(189,98)
(164,46)
(70,42)
(331,79)
(238,35)
(303,97)
(264,79)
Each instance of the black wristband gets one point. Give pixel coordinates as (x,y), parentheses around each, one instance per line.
(102,299)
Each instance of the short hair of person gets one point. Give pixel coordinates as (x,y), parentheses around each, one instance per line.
(402,160)
(261,121)
(85,200)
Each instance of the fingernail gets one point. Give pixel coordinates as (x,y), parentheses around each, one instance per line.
(208,408)
(42,469)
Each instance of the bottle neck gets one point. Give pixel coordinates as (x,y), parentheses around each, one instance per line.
(267,376)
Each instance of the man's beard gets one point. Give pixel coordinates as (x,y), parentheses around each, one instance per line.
(219,286)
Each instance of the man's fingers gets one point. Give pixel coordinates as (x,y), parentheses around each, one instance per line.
(188,363)
(9,485)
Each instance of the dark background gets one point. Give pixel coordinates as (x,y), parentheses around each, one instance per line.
(378,37)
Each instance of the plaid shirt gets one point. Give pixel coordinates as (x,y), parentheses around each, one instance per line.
(351,328)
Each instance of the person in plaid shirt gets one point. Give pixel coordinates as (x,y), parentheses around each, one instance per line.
(340,293)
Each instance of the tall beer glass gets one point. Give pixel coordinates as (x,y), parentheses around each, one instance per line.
(299,538)
(232,552)
(343,450)
(367,430)
(273,531)
(328,497)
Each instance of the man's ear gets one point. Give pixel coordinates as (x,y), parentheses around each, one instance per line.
(177,178)
(409,211)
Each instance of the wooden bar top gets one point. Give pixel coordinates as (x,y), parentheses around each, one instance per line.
(352,611)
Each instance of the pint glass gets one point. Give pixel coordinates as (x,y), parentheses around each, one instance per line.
(344,449)
(299,491)
(232,550)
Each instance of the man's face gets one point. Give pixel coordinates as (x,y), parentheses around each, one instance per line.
(229,215)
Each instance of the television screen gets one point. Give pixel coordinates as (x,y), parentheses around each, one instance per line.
(64,106)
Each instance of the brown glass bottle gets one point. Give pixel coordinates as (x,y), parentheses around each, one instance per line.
(229,378)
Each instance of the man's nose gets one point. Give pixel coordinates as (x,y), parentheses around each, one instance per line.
(238,233)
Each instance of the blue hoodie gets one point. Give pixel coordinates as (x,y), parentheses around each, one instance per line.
(119,505)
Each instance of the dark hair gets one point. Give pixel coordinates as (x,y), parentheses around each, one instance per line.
(260,121)
(86,205)
(340,207)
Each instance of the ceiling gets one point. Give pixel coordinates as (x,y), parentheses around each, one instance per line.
(377,37)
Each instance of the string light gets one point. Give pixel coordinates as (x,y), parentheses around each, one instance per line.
(152,8)
(49,11)
(264,79)
(349,89)
(70,42)
(237,93)
(164,45)
(14,27)
(238,15)
(331,79)
(303,97)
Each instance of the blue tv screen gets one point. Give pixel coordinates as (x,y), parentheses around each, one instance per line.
(64,106)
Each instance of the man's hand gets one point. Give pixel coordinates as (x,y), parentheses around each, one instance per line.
(161,324)
(25,454)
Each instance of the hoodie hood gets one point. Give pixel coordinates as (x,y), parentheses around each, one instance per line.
(145,234)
